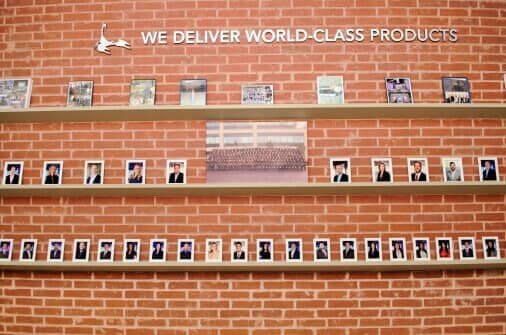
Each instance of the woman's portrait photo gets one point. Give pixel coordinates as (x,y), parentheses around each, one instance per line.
(135,172)
(131,250)
(52,173)
(382,170)
(397,249)
(157,252)
(6,249)
(214,249)
(421,249)
(265,250)
(491,247)
(444,249)
(373,249)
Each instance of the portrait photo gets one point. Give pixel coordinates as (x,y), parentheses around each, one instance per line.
(373,249)
(157,250)
(135,172)
(444,248)
(28,252)
(81,250)
(176,171)
(348,249)
(418,170)
(382,170)
(489,171)
(491,247)
(52,172)
(13,173)
(55,250)
(93,172)
(452,169)
(265,250)
(131,250)
(293,250)
(467,248)
(185,250)
(397,249)
(6,246)
(105,251)
(214,248)
(239,250)
(340,170)
(421,249)
(321,250)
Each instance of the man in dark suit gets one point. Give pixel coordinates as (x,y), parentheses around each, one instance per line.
(373,251)
(106,253)
(467,252)
(186,253)
(239,253)
(157,252)
(52,177)
(383,175)
(27,251)
(93,177)
(294,252)
(418,175)
(340,176)
(12,177)
(489,172)
(176,177)
(81,251)
(348,252)
(56,252)
(322,252)
(5,252)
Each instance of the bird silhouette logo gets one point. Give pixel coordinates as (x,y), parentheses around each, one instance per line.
(103,44)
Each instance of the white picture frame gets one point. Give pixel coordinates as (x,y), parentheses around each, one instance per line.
(238,253)
(106,254)
(330,90)
(369,250)
(132,255)
(160,255)
(181,176)
(257,94)
(419,253)
(78,254)
(80,94)
(342,166)
(482,161)
(6,248)
(132,176)
(10,89)
(423,174)
(93,166)
(344,254)
(298,255)
(52,179)
(387,177)
(489,254)
(320,256)
(399,90)
(467,248)
(17,169)
(453,169)
(449,245)
(56,257)
(28,255)
(214,254)
(401,241)
(262,251)
(182,254)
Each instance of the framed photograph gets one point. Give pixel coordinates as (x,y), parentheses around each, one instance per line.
(456,90)
(185,250)
(452,169)
(444,248)
(293,250)
(397,249)
(176,171)
(13,173)
(373,249)
(134,172)
(489,171)
(330,90)
(80,94)
(421,249)
(93,172)
(131,250)
(52,173)
(340,170)
(257,95)
(382,170)
(142,92)
(15,93)
(321,250)
(55,250)
(81,250)
(28,250)
(193,92)
(348,249)
(214,248)
(6,246)
(491,247)
(418,170)
(265,250)
(157,250)
(467,249)
(239,250)
(105,251)
(399,90)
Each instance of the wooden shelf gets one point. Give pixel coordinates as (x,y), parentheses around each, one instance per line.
(254,112)
(246,189)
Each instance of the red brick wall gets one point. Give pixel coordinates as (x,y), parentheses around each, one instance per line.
(50,41)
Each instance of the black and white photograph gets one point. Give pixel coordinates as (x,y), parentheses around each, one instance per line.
(93,172)
(265,250)
(382,170)
(444,248)
(131,250)
(399,90)
(467,250)
(135,172)
(80,94)
(330,90)
(452,169)
(105,250)
(13,173)
(28,252)
(348,249)
(214,250)
(52,173)
(157,252)
(397,249)
(421,249)
(489,171)
(491,247)
(293,250)
(176,171)
(185,250)
(340,170)
(15,93)
(418,170)
(142,92)
(456,90)
(6,246)
(321,250)
(55,250)
(239,250)
(257,95)
(193,92)
(373,249)
(81,250)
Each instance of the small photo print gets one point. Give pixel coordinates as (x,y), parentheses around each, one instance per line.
(373,249)
(131,250)
(81,250)
(214,249)
(56,248)
(13,173)
(491,247)
(382,170)
(452,169)
(142,92)
(6,246)
(105,251)
(257,95)
(321,247)
(28,250)
(330,90)
(80,94)
(348,249)
(444,248)
(467,248)
(399,90)
(397,249)
(157,250)
(456,90)
(421,249)
(185,250)
(176,171)
(418,170)
(265,250)
(489,170)
(239,250)
(134,173)
(293,250)
(193,92)
(340,170)
(52,172)
(93,172)
(15,93)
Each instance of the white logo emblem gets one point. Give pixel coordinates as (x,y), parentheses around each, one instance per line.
(103,44)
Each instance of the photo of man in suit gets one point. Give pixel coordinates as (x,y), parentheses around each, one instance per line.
(13,177)
(418,175)
(340,176)
(55,252)
(453,173)
(5,252)
(239,254)
(489,173)
(176,177)
(81,251)
(52,176)
(93,175)
(28,250)
(293,252)
(467,249)
(348,251)
(106,254)
(322,252)
(186,251)
(157,253)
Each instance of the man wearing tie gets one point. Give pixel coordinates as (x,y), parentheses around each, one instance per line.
(106,253)
(348,252)
(12,177)
(81,251)
(467,252)
(239,254)
(418,175)
(340,176)
(294,251)
(27,251)
(93,177)
(56,252)
(489,172)
(5,252)
(176,177)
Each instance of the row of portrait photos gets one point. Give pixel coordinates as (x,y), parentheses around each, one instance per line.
(238,252)
(418,171)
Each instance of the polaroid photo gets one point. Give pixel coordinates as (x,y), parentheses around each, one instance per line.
(321,250)
(348,249)
(239,250)
(265,250)
(135,172)
(13,173)
(142,92)
(257,94)
(399,90)
(293,250)
(55,250)
(81,250)
(214,248)
(6,246)
(157,250)
(421,249)
(444,248)
(176,171)
(397,249)
(467,250)
(185,249)
(330,90)
(52,173)
(456,90)
(80,94)
(418,170)
(489,171)
(381,169)
(453,170)
(340,170)
(491,247)
(131,250)
(28,251)
(373,249)
(193,92)
(93,172)
(105,251)
(15,92)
